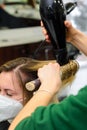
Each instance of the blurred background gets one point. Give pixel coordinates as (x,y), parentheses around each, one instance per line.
(30,8)
(79,15)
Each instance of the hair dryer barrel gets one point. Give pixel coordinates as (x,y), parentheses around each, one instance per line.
(67,72)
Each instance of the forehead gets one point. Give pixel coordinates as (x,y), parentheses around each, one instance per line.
(9,80)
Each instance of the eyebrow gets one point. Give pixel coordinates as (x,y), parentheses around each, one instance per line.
(10,90)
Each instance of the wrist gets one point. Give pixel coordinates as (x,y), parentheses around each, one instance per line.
(49,91)
(77,37)
(44,96)
(44,91)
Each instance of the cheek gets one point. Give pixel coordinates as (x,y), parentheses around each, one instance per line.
(18,95)
(18,90)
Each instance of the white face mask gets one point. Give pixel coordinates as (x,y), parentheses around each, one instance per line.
(9,108)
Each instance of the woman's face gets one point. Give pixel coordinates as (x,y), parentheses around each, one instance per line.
(9,86)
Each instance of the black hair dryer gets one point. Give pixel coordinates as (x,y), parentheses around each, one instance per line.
(53,14)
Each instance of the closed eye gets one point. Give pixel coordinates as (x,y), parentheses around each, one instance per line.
(10,93)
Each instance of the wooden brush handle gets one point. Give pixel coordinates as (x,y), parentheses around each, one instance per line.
(67,71)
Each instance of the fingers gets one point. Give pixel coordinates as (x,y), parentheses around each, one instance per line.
(45,33)
(67,24)
(50,66)
(49,76)
(41,24)
(43,29)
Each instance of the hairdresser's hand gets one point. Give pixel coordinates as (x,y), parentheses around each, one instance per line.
(45,33)
(49,76)
(70,32)
(73,35)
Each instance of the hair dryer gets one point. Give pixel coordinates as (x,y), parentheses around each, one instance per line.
(53,14)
